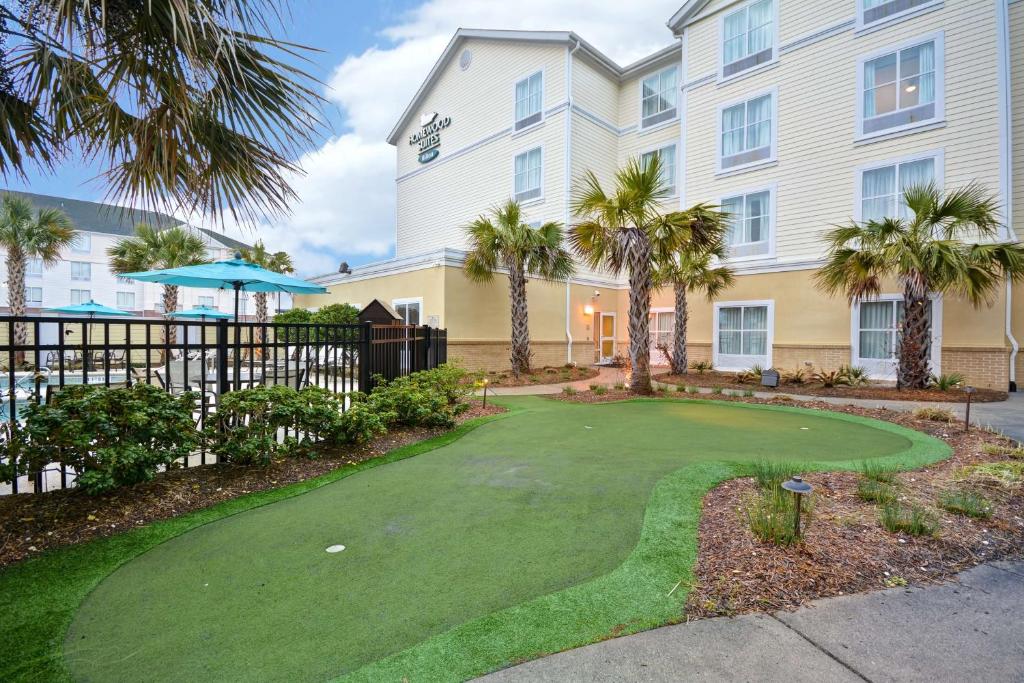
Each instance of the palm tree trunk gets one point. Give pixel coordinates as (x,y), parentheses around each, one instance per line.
(679,360)
(261,314)
(16,295)
(170,305)
(639,262)
(913,345)
(520,320)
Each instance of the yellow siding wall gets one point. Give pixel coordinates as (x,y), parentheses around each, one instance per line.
(427,283)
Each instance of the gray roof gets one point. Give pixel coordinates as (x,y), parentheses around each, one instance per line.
(115,220)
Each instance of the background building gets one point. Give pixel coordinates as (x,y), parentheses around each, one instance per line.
(794,116)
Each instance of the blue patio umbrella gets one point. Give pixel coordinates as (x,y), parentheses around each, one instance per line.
(201,312)
(90,308)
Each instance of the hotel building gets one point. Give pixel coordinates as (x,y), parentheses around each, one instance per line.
(793,115)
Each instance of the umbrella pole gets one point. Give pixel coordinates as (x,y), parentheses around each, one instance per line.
(238,341)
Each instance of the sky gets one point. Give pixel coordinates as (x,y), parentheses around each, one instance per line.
(373,57)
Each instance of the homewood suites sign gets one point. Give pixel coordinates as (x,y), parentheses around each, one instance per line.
(428,137)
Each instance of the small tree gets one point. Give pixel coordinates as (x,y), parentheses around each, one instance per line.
(927,253)
(521,250)
(692,271)
(277,262)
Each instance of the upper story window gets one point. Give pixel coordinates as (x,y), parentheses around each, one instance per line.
(901,88)
(529,100)
(882,187)
(748,37)
(82,243)
(126,301)
(81,270)
(33,296)
(750,223)
(528,175)
(667,156)
(34,267)
(80,296)
(205,301)
(747,133)
(658,97)
(871,12)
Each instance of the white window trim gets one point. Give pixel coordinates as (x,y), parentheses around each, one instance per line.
(861,27)
(130,308)
(939,155)
(33,302)
(42,267)
(773,152)
(722,78)
(409,300)
(540,198)
(772,190)
(939,38)
(81,279)
(543,115)
(78,238)
(672,142)
(641,128)
(770,304)
(936,359)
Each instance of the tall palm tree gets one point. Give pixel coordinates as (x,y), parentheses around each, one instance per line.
(25,234)
(278,262)
(523,251)
(927,253)
(627,230)
(153,248)
(192,104)
(693,271)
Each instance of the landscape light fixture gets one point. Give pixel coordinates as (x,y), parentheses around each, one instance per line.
(588,310)
(800,488)
(485,382)
(969,390)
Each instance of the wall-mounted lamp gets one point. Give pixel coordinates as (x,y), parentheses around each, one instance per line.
(588,309)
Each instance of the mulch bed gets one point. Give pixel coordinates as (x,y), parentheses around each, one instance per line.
(727,380)
(33,523)
(538,376)
(845,549)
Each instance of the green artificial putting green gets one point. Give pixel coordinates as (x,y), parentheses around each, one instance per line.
(549,527)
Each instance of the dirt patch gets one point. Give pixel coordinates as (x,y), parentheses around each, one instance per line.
(727,380)
(538,376)
(33,523)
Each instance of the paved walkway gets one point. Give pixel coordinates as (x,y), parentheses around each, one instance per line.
(969,630)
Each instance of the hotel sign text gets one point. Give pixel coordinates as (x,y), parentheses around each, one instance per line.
(428,137)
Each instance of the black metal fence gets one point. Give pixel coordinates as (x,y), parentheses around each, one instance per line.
(41,355)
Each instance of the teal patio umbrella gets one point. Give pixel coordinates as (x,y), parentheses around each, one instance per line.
(90,308)
(201,312)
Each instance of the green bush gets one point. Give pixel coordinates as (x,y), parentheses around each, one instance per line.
(934,414)
(362,421)
(771,473)
(910,519)
(876,471)
(111,436)
(875,491)
(946,381)
(968,503)
(701,366)
(770,515)
(854,375)
(600,389)
(430,398)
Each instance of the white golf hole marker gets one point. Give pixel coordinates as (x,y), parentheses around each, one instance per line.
(335,548)
(805,428)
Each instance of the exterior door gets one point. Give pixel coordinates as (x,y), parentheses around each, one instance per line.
(606,337)
(662,322)
(876,334)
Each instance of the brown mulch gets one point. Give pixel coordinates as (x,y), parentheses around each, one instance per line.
(845,549)
(539,376)
(727,380)
(33,523)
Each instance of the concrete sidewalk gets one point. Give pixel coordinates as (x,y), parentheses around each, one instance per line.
(970,630)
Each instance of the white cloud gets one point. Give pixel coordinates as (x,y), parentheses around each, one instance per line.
(346,199)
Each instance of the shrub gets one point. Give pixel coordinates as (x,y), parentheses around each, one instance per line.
(829,378)
(680,388)
(770,516)
(716,390)
(796,376)
(569,391)
(854,375)
(771,473)
(593,387)
(748,393)
(876,491)
(619,386)
(600,389)
(692,390)
(946,381)
(877,471)
(362,421)
(416,400)
(934,414)
(751,375)
(910,519)
(701,366)
(111,436)
(967,503)
(1006,474)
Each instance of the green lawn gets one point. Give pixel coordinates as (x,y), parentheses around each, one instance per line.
(551,527)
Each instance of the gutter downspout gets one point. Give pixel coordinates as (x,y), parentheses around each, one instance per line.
(1005,164)
(568,183)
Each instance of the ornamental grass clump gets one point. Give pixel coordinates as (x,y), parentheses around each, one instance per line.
(876,492)
(769,515)
(934,414)
(911,519)
(770,474)
(876,471)
(966,502)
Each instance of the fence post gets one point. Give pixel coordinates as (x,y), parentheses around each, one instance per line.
(223,386)
(426,348)
(365,355)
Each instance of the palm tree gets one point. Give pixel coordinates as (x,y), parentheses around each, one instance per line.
(693,271)
(927,253)
(627,230)
(278,262)
(153,248)
(24,235)
(188,104)
(523,251)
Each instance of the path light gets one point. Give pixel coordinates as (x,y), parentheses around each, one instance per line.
(485,382)
(800,488)
(969,390)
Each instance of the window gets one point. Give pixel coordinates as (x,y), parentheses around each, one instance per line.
(33,296)
(748,37)
(658,97)
(408,310)
(82,243)
(34,267)
(126,301)
(877,11)
(877,325)
(743,336)
(528,175)
(901,89)
(529,100)
(750,223)
(205,301)
(80,296)
(81,270)
(747,133)
(667,157)
(881,188)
